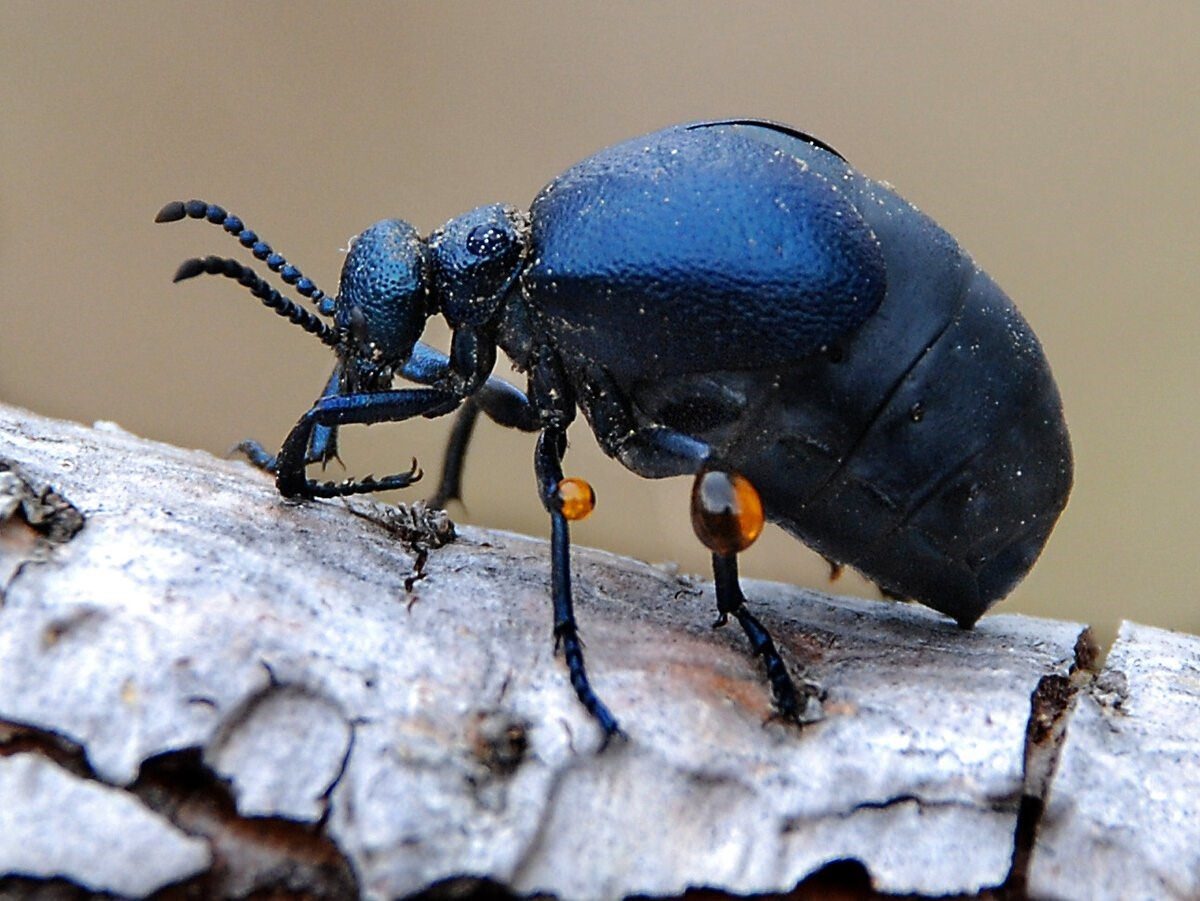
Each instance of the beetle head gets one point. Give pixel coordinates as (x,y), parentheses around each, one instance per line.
(382,303)
(475,258)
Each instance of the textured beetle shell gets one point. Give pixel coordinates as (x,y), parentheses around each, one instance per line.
(925,445)
(678,234)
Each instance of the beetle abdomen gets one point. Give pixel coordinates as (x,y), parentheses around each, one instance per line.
(949,494)
(937,473)
(653,248)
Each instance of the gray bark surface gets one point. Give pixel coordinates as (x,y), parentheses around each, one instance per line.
(1123,812)
(334,697)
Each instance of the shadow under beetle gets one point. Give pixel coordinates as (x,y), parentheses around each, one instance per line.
(729,300)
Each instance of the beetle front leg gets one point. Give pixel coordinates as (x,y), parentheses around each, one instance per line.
(548,465)
(727,516)
(337,410)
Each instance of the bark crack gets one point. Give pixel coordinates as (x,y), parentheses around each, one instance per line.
(327,795)
(267,855)
(259,855)
(1050,712)
(18,738)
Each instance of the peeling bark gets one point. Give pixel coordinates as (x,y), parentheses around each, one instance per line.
(90,833)
(336,698)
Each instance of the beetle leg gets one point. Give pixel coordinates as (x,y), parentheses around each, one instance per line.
(258,455)
(792,704)
(548,466)
(727,515)
(322,443)
(504,404)
(336,410)
(450,484)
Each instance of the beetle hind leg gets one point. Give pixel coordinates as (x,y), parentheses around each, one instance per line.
(797,705)
(727,516)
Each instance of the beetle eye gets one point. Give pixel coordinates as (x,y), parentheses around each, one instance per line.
(487,241)
(727,512)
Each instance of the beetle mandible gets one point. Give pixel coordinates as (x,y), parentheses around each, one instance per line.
(729,300)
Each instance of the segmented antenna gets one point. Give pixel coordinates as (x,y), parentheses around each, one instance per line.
(248,278)
(199,209)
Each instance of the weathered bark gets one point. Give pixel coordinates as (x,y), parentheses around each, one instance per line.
(1123,814)
(203,684)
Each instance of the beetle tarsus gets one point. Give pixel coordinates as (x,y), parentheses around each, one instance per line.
(566,637)
(368,485)
(322,448)
(342,409)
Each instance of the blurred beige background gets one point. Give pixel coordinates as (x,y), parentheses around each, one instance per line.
(1058,143)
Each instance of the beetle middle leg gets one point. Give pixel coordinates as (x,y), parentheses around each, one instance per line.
(505,405)
(550,395)
(548,465)
(652,451)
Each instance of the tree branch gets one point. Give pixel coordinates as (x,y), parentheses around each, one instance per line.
(231,691)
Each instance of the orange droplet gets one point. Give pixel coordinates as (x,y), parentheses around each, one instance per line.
(577,497)
(727,512)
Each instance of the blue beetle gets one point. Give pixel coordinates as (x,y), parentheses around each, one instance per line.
(729,300)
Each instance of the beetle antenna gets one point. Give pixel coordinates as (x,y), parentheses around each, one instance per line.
(248,278)
(199,209)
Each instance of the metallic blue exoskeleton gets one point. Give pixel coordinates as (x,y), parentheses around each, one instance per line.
(726,295)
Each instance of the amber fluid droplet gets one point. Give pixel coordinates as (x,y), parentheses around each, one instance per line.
(727,513)
(578,498)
